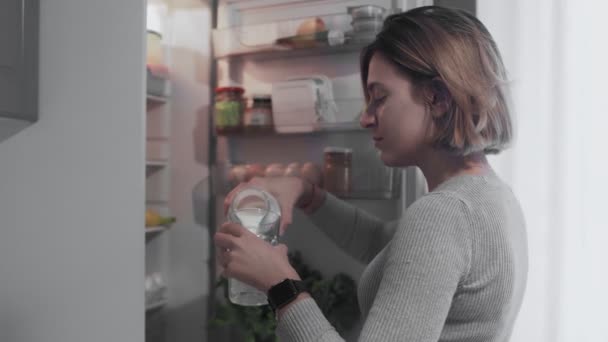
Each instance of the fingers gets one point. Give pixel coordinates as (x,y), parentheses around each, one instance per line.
(224,256)
(232,228)
(226,245)
(286,218)
(235,270)
(224,241)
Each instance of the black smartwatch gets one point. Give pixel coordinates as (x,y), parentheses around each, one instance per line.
(284,293)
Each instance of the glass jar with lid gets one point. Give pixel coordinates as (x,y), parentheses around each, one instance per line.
(259,212)
(229,109)
(337,171)
(258,118)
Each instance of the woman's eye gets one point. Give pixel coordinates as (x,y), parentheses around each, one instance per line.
(374,102)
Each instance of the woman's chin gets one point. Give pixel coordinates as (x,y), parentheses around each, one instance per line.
(388,160)
(394,161)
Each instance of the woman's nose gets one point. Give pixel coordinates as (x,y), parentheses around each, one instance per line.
(367,119)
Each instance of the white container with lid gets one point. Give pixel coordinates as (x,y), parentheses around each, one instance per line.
(299,105)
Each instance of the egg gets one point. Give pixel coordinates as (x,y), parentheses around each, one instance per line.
(275,170)
(293,170)
(312,173)
(254,170)
(237,174)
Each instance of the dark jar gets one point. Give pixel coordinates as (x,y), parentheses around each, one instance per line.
(337,170)
(258,118)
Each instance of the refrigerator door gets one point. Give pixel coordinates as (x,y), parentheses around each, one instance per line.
(18,65)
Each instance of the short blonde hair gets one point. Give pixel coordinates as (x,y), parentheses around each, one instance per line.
(430,44)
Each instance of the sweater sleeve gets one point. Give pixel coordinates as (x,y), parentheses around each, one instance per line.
(358,233)
(427,258)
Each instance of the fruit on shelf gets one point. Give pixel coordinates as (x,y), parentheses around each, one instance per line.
(311,26)
(153,219)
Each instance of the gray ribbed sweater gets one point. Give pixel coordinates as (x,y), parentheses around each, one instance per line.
(452,269)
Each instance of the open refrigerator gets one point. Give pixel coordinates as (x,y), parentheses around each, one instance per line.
(304,56)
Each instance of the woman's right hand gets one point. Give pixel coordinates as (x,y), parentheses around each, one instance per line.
(287,190)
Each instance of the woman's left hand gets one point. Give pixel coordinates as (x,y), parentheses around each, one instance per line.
(250,259)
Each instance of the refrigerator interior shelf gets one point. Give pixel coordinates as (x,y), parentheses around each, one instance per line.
(276,52)
(152,232)
(153,166)
(319,35)
(315,129)
(369,195)
(156,305)
(371,180)
(155,100)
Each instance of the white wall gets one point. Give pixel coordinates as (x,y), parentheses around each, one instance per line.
(72,185)
(525,166)
(557,162)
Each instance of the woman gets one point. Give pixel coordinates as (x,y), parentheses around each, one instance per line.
(454,267)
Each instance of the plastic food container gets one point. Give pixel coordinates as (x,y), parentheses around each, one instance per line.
(299,105)
(367,11)
(154,51)
(367,25)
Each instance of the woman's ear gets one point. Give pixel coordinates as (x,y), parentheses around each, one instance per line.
(440,98)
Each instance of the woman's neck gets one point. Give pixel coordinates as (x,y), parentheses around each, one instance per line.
(439,166)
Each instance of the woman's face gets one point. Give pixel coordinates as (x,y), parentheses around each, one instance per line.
(399,122)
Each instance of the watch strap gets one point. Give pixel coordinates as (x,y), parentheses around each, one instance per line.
(284,293)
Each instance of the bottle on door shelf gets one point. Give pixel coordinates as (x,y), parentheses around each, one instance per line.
(229,108)
(258,118)
(337,171)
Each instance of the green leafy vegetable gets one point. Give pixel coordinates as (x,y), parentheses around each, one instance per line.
(336,297)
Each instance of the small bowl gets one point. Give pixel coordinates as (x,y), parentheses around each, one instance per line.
(367,11)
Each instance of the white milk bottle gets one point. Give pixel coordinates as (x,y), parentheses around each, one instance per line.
(259,212)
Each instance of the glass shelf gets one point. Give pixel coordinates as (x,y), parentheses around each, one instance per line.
(346,113)
(287,38)
(369,195)
(371,180)
(318,129)
(274,52)
(153,166)
(152,232)
(155,100)
(156,305)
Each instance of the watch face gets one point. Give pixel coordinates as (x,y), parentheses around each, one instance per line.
(282,293)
